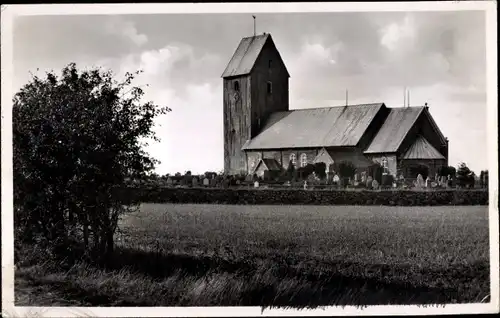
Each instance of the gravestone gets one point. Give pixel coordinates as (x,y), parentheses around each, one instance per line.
(206,182)
(369,181)
(375,184)
(195,182)
(336,178)
(256,184)
(169,181)
(427,182)
(305,185)
(420,181)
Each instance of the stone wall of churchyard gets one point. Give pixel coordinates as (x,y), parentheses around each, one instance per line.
(312,197)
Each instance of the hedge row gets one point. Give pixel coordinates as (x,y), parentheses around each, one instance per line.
(312,197)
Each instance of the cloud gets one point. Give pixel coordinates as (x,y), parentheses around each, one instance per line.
(126,29)
(172,77)
(398,35)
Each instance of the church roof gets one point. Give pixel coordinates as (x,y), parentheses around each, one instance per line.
(422,149)
(394,129)
(315,127)
(246,55)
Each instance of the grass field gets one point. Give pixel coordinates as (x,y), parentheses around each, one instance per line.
(203,255)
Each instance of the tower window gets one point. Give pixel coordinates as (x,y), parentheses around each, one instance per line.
(303,160)
(269,87)
(237,86)
(270,63)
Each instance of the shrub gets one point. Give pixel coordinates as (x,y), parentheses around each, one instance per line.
(375,171)
(304,172)
(76,138)
(299,196)
(320,170)
(447,171)
(465,177)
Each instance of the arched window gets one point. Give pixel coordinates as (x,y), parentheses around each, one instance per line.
(269,87)
(252,163)
(237,86)
(293,159)
(303,160)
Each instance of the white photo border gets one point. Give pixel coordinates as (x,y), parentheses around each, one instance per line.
(9,13)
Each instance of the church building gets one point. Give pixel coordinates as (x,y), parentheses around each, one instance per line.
(262,133)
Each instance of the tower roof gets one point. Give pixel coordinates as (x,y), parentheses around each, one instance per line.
(246,55)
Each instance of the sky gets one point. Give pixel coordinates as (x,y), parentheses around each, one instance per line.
(439,56)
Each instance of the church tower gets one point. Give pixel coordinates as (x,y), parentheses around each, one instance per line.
(255,85)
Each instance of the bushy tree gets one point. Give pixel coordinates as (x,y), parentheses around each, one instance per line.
(447,171)
(290,170)
(346,170)
(76,138)
(210,174)
(465,177)
(483,179)
(305,171)
(375,171)
(320,170)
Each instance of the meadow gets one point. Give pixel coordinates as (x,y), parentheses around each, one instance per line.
(301,256)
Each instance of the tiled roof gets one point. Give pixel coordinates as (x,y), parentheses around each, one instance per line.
(315,127)
(394,129)
(422,149)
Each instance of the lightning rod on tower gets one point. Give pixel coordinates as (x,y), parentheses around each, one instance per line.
(254,29)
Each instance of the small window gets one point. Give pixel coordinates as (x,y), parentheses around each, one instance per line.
(270,63)
(303,160)
(293,159)
(269,87)
(237,86)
